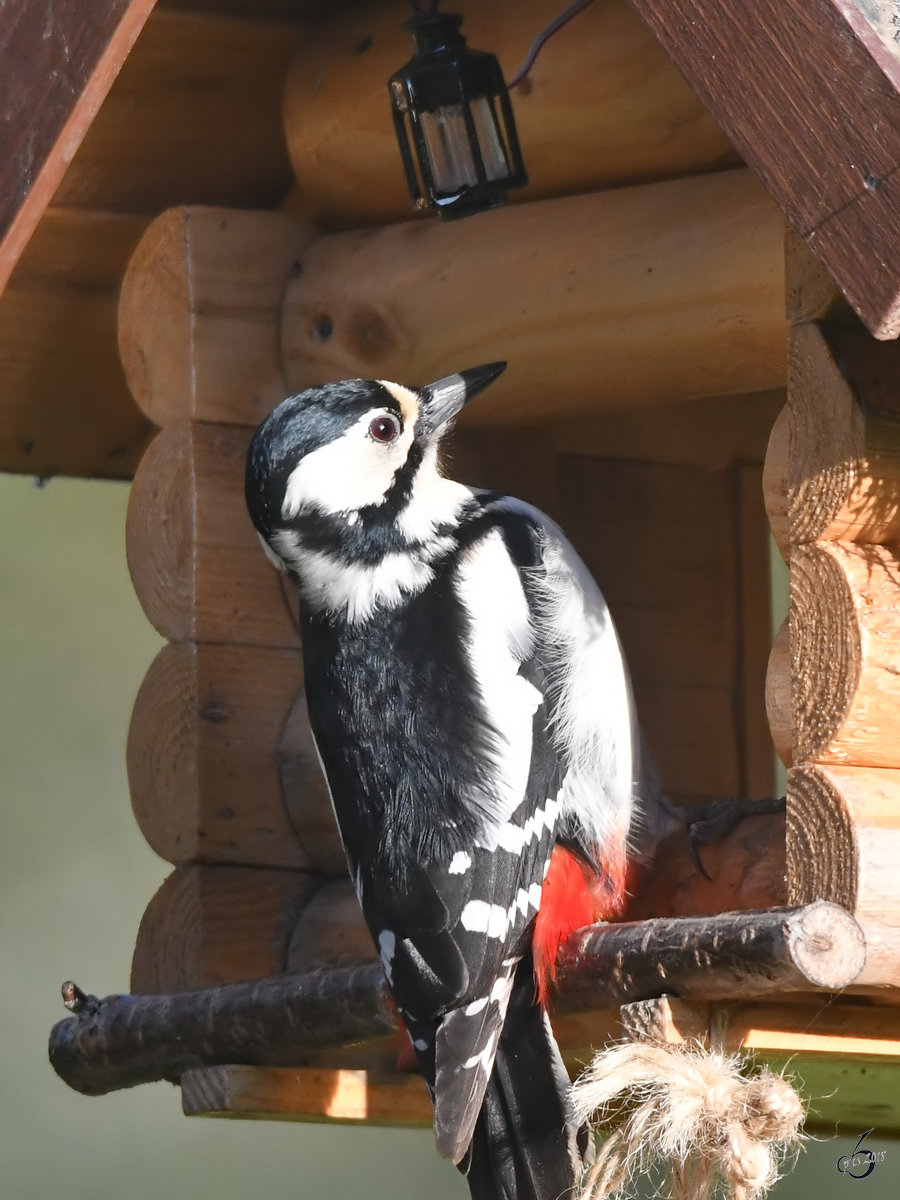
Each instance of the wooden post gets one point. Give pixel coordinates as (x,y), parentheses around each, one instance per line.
(601,107)
(832,493)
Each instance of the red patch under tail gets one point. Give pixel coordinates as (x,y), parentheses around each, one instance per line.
(573,896)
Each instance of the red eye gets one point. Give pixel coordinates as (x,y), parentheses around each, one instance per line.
(384,428)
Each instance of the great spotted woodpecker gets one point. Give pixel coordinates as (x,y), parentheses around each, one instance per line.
(472,710)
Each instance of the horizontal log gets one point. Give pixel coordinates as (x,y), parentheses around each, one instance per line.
(577,289)
(208,926)
(180,935)
(845,627)
(320,1093)
(122,1041)
(732,955)
(58,323)
(194,556)
(601,107)
(331,931)
(194,117)
(827,1028)
(203,757)
(199,313)
(843,843)
(835,471)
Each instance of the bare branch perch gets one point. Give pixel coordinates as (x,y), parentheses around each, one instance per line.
(125,1040)
(122,1041)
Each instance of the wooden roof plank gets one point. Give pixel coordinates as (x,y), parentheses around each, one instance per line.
(810,96)
(59,62)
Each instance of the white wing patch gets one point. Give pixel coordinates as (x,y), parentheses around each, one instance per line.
(500,639)
(593,723)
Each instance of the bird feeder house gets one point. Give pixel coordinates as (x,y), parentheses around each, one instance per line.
(698,294)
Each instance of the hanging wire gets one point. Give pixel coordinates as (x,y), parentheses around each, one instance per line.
(544,36)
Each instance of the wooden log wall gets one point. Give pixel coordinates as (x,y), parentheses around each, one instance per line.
(834,697)
(222,769)
(645,332)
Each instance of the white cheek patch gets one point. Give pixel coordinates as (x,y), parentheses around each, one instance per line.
(351,472)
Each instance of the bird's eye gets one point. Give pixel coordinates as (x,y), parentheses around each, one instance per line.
(384,428)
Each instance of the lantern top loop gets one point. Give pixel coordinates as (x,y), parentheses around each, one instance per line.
(435,32)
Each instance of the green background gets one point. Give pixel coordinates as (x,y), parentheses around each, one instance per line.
(76,875)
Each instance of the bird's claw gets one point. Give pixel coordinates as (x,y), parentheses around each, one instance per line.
(714,820)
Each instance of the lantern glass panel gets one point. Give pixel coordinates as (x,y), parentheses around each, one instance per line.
(449,152)
(493,152)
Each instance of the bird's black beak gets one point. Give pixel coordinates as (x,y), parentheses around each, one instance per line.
(442,400)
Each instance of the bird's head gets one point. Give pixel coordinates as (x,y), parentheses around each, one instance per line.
(354,465)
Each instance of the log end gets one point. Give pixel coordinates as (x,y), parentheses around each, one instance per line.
(826,944)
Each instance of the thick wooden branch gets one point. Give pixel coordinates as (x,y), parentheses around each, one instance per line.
(558,290)
(602,107)
(126,1040)
(731,955)
(122,1041)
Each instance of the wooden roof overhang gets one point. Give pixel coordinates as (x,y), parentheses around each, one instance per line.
(809,93)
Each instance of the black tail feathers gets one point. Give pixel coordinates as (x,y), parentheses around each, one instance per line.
(524,1144)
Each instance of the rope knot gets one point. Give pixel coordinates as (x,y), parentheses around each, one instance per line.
(691,1111)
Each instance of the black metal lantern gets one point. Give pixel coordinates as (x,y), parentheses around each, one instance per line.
(454,121)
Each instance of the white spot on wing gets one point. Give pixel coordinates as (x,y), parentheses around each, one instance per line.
(593,722)
(387,945)
(460,863)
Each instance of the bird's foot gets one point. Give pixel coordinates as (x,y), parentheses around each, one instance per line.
(715,819)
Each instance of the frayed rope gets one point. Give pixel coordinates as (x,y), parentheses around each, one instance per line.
(691,1111)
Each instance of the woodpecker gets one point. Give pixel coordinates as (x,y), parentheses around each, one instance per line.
(472,711)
